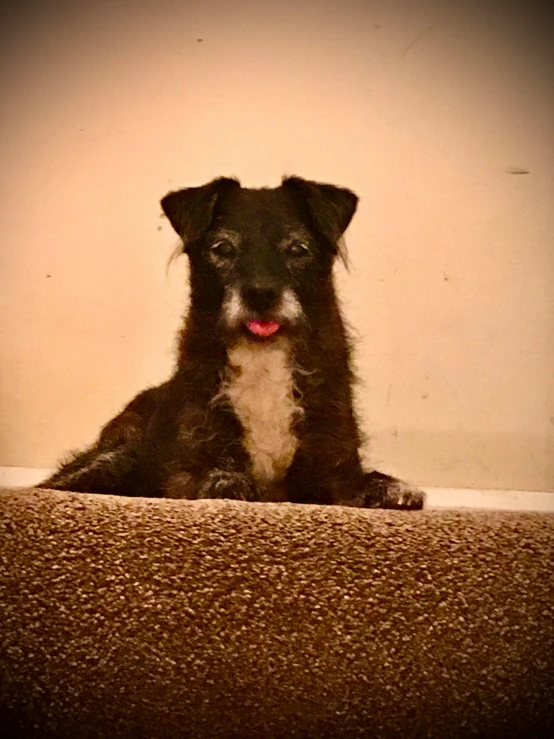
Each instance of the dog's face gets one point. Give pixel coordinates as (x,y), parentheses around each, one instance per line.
(261,260)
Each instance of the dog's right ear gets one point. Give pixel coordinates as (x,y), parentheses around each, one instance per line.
(190,210)
(330,207)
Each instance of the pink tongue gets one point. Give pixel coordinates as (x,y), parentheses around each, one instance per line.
(263,328)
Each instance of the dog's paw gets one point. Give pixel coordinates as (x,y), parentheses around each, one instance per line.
(232,485)
(384,491)
(402,495)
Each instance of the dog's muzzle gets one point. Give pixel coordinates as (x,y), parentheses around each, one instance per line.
(262,312)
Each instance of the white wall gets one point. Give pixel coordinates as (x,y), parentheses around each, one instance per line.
(425,109)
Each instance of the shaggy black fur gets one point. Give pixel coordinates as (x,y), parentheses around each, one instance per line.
(184,438)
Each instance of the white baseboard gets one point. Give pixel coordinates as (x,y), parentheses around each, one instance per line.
(506,500)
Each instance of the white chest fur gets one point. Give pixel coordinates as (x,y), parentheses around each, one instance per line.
(259,386)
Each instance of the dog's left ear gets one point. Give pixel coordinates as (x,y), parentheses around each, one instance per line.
(330,207)
(190,211)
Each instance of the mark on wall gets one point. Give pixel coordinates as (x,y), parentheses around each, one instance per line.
(517,170)
(416,40)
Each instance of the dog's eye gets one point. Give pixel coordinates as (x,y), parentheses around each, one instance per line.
(222,248)
(297,249)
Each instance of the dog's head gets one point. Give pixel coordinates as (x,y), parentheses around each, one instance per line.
(261,260)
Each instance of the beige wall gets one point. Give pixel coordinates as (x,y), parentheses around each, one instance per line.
(423,108)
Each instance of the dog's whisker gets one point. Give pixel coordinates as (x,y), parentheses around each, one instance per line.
(177,252)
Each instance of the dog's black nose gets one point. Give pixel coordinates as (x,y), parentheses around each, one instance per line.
(260,298)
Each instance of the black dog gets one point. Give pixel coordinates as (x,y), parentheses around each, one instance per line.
(259,407)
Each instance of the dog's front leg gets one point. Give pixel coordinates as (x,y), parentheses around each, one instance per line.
(322,474)
(316,477)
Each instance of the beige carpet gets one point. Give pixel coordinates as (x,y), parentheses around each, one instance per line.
(163,618)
